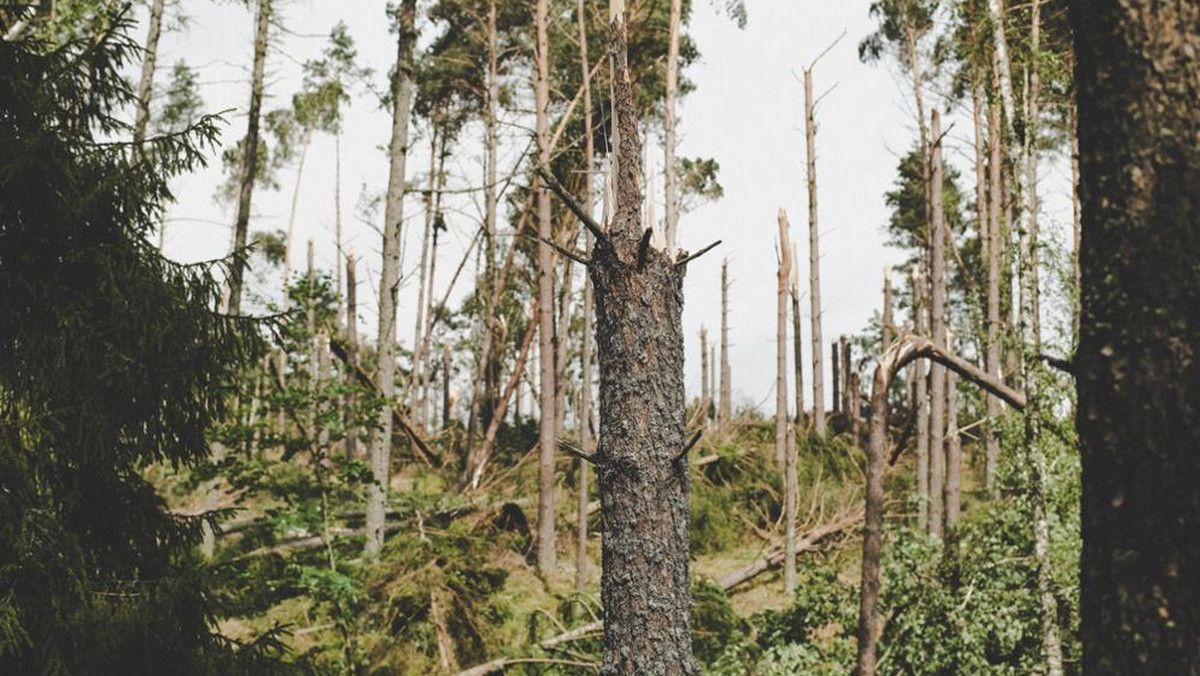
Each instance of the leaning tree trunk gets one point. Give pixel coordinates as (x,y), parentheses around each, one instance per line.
(641,459)
(905,350)
(146,83)
(814,258)
(249,167)
(389,278)
(1137,363)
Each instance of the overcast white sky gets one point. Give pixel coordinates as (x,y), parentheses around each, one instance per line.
(746,112)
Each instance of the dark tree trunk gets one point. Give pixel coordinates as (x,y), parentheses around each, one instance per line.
(642,471)
(249,168)
(1137,363)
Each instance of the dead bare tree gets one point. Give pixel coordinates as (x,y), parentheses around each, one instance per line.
(725,410)
(814,256)
(937,323)
(546,552)
(389,278)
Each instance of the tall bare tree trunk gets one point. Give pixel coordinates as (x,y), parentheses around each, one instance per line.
(783,279)
(145,88)
(414,389)
(937,319)
(705,389)
(995,243)
(545,531)
(1051,643)
(644,474)
(725,412)
(672,216)
(447,393)
(921,315)
(389,278)
(351,354)
(1031,180)
(953,454)
(1138,376)
(814,258)
(249,168)
(585,385)
(835,359)
(847,369)
(785,443)
(887,332)
(1076,221)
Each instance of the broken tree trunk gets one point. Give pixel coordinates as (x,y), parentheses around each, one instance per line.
(725,411)
(781,347)
(814,257)
(906,349)
(641,459)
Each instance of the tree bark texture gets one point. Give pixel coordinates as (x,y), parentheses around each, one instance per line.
(1137,370)
(937,323)
(781,346)
(642,470)
(725,411)
(546,553)
(145,88)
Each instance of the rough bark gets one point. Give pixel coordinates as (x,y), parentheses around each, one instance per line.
(1031,180)
(546,553)
(145,88)
(814,257)
(1138,375)
(642,471)
(937,324)
(413,395)
(905,350)
(249,167)
(389,278)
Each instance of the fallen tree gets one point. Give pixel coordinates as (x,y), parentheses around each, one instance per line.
(771,559)
(906,349)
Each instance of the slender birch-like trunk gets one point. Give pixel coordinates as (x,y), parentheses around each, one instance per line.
(585,385)
(546,553)
(670,179)
(389,278)
(145,88)
(995,244)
